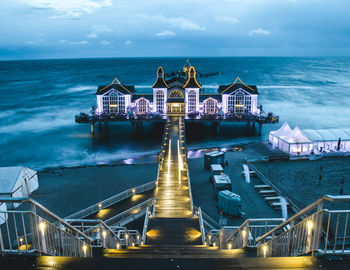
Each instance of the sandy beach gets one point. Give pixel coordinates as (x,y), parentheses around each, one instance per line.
(68,190)
(300,179)
(77,188)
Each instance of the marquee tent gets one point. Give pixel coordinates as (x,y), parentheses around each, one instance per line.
(18,181)
(306,141)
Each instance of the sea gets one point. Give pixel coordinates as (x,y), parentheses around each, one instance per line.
(39,99)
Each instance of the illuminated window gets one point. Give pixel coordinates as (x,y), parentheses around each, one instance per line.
(192,101)
(231,104)
(113,103)
(160,101)
(142,105)
(210,106)
(176,93)
(239,103)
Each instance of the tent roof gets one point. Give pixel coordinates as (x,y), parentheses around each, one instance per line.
(313,135)
(283,131)
(327,135)
(340,133)
(297,136)
(9,177)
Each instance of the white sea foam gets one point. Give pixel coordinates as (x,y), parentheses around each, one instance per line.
(285,87)
(81,88)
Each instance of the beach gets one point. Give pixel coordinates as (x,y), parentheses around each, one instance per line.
(68,190)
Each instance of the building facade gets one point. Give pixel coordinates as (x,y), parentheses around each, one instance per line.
(181,94)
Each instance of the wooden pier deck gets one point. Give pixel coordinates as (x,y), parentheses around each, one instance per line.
(173,198)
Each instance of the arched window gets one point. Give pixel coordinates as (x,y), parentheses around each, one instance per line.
(160,101)
(142,106)
(176,93)
(113,103)
(192,101)
(239,103)
(210,106)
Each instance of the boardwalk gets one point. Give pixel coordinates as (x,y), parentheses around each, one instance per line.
(173,199)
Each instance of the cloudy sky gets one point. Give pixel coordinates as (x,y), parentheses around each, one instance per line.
(123,28)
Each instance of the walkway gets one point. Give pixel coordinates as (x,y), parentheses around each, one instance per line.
(173,199)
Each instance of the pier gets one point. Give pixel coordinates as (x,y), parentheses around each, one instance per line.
(171,228)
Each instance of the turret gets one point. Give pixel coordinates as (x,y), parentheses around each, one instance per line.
(160,82)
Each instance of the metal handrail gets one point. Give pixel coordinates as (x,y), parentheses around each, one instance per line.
(112,200)
(45,210)
(201,225)
(48,235)
(247,233)
(184,152)
(129,212)
(302,213)
(145,226)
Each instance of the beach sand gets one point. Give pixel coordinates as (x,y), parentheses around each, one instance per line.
(68,190)
(299,179)
(253,205)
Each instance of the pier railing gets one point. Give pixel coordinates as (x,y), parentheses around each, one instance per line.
(130,214)
(35,229)
(182,145)
(112,200)
(99,231)
(246,234)
(313,229)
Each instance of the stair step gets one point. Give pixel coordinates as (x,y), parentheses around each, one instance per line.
(261,186)
(272,198)
(267,192)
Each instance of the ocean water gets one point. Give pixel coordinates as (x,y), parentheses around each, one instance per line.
(40,98)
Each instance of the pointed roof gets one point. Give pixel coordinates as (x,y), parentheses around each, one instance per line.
(160,82)
(283,131)
(192,80)
(297,136)
(115,84)
(227,89)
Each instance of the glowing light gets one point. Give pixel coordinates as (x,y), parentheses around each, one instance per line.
(113,105)
(133,191)
(42,227)
(84,249)
(168,176)
(309,227)
(21,240)
(229,246)
(100,205)
(104,233)
(244,233)
(214,244)
(265,250)
(239,105)
(118,245)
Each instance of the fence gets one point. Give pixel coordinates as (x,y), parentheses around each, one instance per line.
(38,230)
(112,200)
(313,229)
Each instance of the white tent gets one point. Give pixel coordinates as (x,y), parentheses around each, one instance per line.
(301,142)
(3,216)
(296,143)
(282,132)
(18,181)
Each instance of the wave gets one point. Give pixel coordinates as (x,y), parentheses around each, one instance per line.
(285,87)
(81,88)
